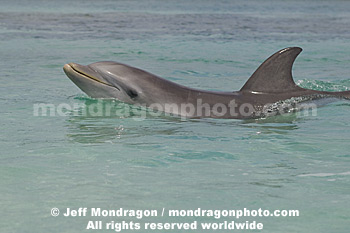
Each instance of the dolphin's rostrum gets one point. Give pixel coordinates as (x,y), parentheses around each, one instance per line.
(270,85)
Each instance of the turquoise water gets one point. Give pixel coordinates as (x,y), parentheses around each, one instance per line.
(291,162)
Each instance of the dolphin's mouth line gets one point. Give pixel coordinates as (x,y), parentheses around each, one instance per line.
(91,77)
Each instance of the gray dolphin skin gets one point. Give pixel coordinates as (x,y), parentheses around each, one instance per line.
(266,92)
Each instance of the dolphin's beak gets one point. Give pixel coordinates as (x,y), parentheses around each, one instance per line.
(85,72)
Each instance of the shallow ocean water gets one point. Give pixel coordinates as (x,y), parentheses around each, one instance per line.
(291,162)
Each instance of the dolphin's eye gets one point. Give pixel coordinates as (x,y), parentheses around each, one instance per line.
(133,94)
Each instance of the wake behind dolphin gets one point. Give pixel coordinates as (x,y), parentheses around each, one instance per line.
(269,91)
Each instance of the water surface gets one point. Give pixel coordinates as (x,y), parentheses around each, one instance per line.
(78,160)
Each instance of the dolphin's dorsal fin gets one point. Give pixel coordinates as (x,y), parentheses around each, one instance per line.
(275,74)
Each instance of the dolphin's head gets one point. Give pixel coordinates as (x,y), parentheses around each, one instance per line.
(108,80)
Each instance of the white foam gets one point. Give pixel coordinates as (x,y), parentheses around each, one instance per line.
(326,174)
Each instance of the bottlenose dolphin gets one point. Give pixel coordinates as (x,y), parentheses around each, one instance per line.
(269,90)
